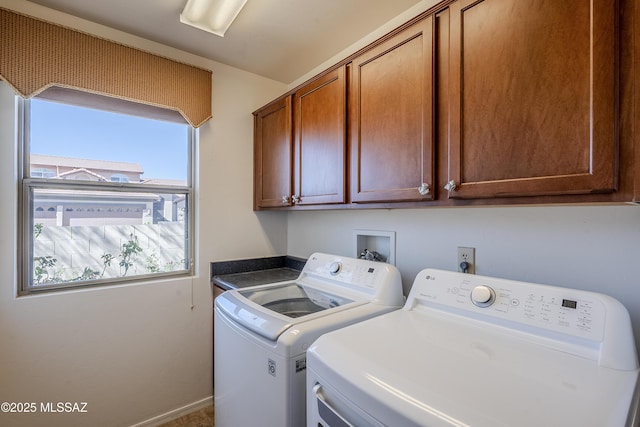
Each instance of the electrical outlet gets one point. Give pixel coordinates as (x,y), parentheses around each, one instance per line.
(467,255)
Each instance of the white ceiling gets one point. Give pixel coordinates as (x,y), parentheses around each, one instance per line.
(278,39)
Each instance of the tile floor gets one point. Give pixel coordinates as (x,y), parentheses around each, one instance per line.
(201,418)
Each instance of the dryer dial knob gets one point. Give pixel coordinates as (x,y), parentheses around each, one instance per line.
(483,296)
(335,267)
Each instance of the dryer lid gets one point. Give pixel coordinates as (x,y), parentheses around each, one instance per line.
(414,368)
(532,355)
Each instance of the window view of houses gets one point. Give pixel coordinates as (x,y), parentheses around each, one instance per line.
(69,207)
(91,234)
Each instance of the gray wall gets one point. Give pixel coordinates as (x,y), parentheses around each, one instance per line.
(595,248)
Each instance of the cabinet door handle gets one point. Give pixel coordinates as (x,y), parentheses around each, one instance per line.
(424,189)
(450,186)
(295,199)
(285,200)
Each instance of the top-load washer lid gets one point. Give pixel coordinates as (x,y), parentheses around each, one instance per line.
(269,310)
(508,354)
(294,300)
(327,284)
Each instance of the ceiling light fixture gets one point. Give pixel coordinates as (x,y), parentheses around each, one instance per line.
(214,16)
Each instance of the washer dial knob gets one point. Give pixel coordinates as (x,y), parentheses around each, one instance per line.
(335,267)
(483,296)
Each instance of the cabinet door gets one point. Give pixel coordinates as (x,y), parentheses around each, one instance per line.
(320,140)
(272,155)
(533,97)
(391,118)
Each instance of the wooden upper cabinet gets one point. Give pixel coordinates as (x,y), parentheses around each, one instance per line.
(391,118)
(272,155)
(320,140)
(533,95)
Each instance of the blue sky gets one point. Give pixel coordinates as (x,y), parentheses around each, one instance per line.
(64,130)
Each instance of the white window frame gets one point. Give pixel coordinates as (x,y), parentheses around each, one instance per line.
(26,221)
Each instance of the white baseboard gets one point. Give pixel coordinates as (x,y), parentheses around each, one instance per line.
(176,413)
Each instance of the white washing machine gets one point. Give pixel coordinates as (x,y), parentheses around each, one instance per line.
(262,333)
(467,350)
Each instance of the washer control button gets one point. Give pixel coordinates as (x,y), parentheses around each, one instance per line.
(483,296)
(335,267)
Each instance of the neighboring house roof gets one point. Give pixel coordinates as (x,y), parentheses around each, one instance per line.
(70,162)
(82,170)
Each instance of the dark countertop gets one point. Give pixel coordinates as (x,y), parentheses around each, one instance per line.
(254,278)
(256,271)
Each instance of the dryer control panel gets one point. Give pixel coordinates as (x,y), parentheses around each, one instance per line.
(578,320)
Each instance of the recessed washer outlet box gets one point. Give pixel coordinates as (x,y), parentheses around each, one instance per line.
(382,242)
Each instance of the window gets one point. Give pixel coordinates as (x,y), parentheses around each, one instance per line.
(118,177)
(106,196)
(42,173)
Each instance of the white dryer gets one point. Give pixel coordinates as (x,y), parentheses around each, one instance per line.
(477,351)
(262,333)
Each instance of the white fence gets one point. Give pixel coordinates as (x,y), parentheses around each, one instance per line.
(76,248)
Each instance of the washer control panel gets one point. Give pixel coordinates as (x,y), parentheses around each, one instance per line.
(345,271)
(335,267)
(568,311)
(373,281)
